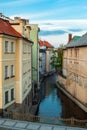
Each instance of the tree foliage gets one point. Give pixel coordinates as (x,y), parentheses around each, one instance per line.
(56,59)
(60,58)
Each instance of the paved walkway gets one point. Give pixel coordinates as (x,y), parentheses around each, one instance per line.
(7,124)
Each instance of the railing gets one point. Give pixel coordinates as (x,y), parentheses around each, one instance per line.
(47,119)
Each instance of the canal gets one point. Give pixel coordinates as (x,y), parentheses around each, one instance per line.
(55,104)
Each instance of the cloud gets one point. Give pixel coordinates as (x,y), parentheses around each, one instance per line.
(48,24)
(75,30)
(32,16)
(53,32)
(55,40)
(56,32)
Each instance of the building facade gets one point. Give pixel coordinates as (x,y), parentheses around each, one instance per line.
(35,58)
(15,66)
(45,54)
(49,53)
(42,59)
(75,69)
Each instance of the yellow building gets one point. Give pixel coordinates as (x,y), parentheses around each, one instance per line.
(75,69)
(15,65)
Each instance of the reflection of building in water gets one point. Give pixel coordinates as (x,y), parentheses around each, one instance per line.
(70,109)
(42,90)
(47,89)
(49,85)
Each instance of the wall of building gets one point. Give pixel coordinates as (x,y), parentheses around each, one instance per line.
(42,60)
(35,53)
(7,59)
(75,70)
(21,80)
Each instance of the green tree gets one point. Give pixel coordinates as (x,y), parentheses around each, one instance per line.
(60,58)
(56,59)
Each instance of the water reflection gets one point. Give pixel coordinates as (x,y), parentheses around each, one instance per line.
(50,105)
(56,104)
(70,109)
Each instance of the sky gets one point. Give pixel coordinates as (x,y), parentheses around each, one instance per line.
(55,18)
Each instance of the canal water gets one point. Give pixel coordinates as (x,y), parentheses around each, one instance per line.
(55,104)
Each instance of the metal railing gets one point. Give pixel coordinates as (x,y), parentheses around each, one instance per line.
(47,119)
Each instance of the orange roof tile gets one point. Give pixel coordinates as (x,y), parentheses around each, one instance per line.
(47,44)
(41,43)
(6,28)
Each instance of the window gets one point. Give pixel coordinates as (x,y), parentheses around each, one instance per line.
(12,70)
(6,46)
(6,72)
(76,52)
(12,94)
(6,97)
(71,52)
(12,47)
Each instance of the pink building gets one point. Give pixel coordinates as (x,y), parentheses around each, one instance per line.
(75,69)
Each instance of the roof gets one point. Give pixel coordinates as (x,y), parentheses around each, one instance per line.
(47,44)
(41,43)
(75,38)
(6,28)
(79,42)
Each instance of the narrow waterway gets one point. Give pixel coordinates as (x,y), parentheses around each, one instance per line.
(55,104)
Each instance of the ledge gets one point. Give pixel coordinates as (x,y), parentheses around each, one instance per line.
(81,105)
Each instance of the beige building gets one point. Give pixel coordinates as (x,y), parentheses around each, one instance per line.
(75,69)
(15,65)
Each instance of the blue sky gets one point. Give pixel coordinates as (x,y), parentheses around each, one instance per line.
(56,18)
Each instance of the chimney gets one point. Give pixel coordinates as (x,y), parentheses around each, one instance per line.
(69,37)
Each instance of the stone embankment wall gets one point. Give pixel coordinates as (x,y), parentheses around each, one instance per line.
(77,91)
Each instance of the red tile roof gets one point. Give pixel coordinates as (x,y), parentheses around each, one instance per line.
(6,28)
(47,44)
(41,43)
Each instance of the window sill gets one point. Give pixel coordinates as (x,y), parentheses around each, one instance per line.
(12,76)
(6,78)
(9,52)
(12,99)
(6,103)
(12,53)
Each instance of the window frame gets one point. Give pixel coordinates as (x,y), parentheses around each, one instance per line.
(12,70)
(12,47)
(6,47)
(12,94)
(6,72)
(6,97)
